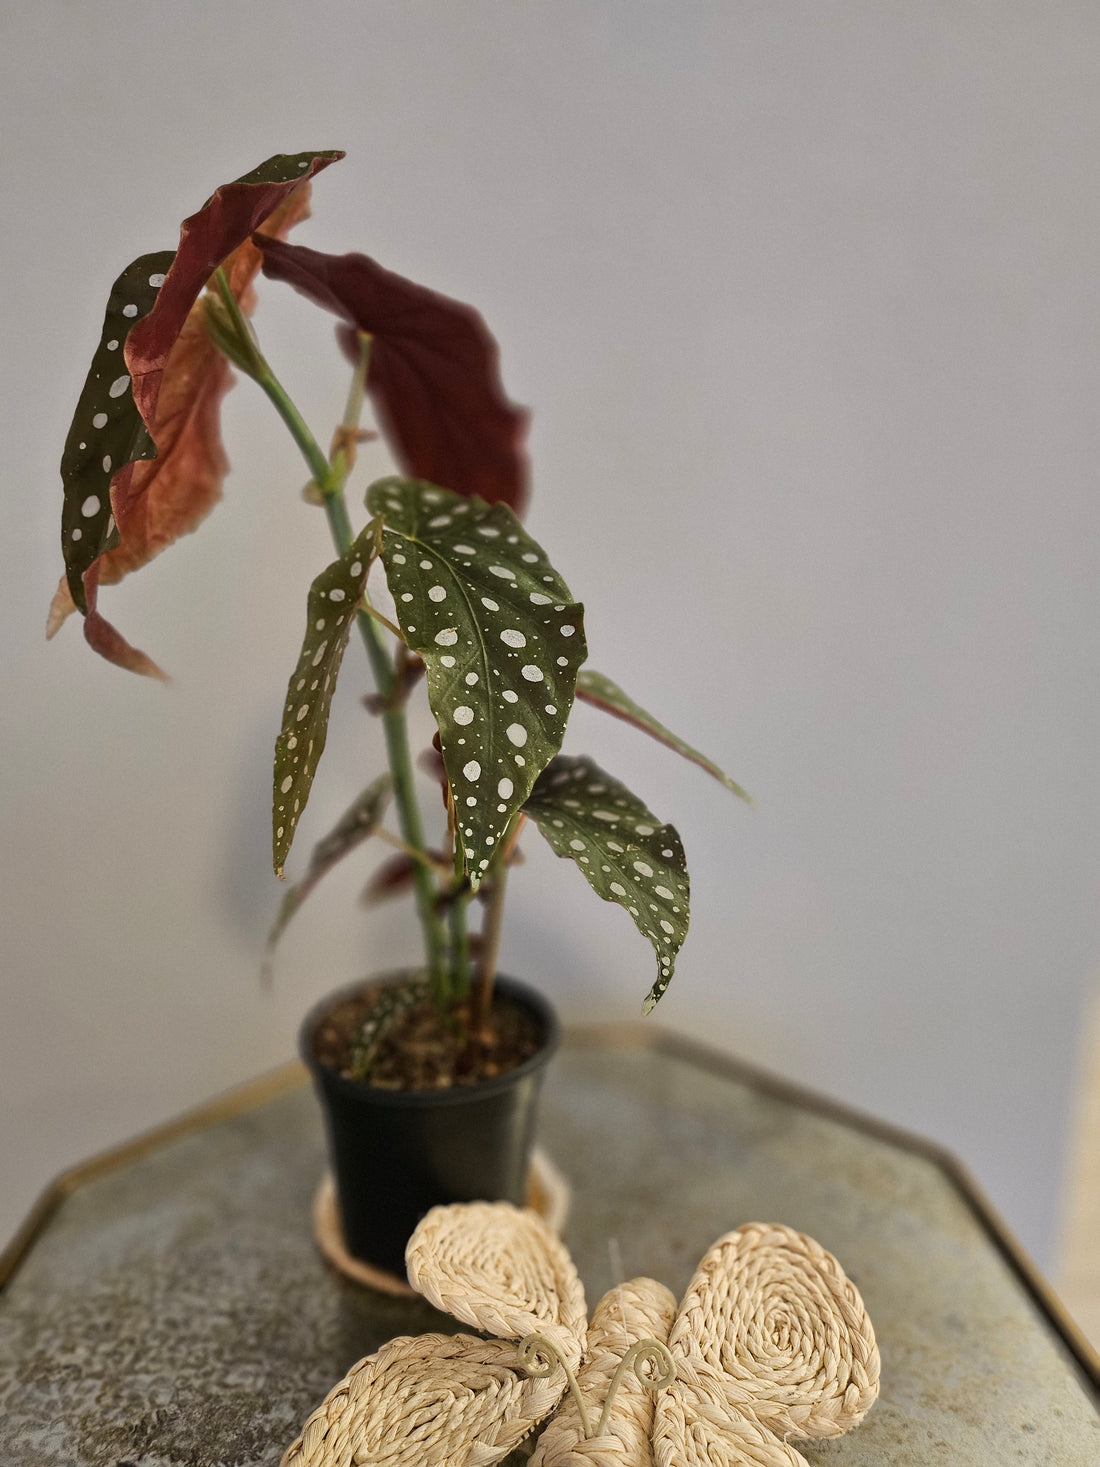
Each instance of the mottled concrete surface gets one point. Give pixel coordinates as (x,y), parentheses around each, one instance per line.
(174,1313)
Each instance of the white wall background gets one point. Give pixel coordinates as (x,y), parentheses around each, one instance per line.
(804,296)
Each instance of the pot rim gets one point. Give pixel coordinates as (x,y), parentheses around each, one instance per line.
(530,998)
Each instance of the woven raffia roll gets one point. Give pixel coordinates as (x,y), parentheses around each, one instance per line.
(456,1399)
(501,1269)
(428,1398)
(641,1309)
(772,1333)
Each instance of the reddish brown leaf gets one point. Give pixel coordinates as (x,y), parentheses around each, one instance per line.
(434,374)
(390,879)
(431,762)
(170,495)
(393,877)
(207,239)
(177,381)
(102,637)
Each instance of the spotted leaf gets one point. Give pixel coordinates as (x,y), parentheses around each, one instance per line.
(333,600)
(625,852)
(357,822)
(434,375)
(119,510)
(501,638)
(600,691)
(107,431)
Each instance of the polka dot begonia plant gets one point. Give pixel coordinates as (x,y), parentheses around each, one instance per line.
(466,599)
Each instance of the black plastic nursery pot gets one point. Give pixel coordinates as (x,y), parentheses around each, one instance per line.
(397,1153)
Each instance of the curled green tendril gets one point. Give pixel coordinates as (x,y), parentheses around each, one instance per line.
(651,1363)
(649,1359)
(538,1355)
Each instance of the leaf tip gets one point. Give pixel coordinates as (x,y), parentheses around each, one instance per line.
(61,607)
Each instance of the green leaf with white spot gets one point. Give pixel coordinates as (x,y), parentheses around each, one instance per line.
(107,430)
(358,822)
(601,692)
(333,600)
(501,639)
(625,852)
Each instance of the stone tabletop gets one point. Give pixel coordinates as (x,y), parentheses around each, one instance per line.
(172,1311)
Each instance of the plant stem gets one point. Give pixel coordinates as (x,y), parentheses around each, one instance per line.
(383,621)
(394,723)
(490,951)
(486,973)
(330,477)
(342,454)
(460,940)
(460,947)
(421,857)
(401,767)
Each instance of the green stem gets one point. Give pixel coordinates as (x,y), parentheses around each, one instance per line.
(376,615)
(486,973)
(312,451)
(330,477)
(421,857)
(408,811)
(460,938)
(342,456)
(460,948)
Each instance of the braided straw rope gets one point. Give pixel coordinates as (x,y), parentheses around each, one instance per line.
(500,1269)
(717,1435)
(642,1309)
(429,1398)
(771,1334)
(457,1399)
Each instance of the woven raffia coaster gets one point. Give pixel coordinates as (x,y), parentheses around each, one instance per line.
(771,1341)
(548,1193)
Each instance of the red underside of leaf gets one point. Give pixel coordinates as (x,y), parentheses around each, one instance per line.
(207,238)
(102,637)
(434,376)
(160,499)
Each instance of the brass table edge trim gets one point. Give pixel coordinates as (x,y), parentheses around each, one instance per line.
(637,1035)
(641,1035)
(241,1098)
